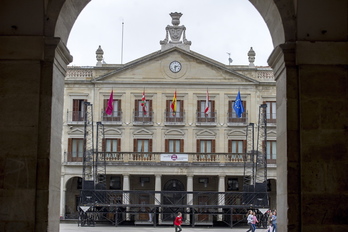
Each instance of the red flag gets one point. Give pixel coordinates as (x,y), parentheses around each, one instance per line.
(143,103)
(110,107)
(207,108)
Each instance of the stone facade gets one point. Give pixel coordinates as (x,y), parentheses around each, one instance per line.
(310,67)
(151,76)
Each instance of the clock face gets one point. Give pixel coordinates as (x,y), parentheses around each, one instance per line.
(175,66)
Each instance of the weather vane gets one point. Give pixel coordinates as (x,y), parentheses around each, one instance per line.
(229,58)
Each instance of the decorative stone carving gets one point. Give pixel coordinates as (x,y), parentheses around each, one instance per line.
(251,55)
(175,32)
(99,55)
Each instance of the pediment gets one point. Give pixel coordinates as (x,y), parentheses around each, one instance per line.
(155,67)
(205,133)
(236,133)
(112,131)
(271,133)
(174,132)
(142,132)
(76,131)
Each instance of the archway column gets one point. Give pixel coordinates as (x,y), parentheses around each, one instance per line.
(221,200)
(311,78)
(158,196)
(189,199)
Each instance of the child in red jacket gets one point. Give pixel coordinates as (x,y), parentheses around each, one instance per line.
(177,222)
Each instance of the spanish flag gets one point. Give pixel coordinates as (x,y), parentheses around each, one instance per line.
(173,104)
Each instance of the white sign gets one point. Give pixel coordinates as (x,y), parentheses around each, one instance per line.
(174,157)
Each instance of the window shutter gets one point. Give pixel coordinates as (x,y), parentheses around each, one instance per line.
(181,145)
(76,104)
(198,145)
(229,146)
(166,145)
(135,144)
(230,104)
(105,104)
(199,106)
(118,144)
(212,104)
(244,146)
(168,105)
(213,146)
(103,144)
(136,107)
(150,145)
(119,105)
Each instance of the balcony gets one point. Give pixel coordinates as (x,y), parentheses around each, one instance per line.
(233,120)
(204,119)
(76,117)
(143,119)
(114,119)
(174,119)
(172,159)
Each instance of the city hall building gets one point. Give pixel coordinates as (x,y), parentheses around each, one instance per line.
(162,124)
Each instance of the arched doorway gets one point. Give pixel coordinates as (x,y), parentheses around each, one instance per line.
(171,196)
(72,197)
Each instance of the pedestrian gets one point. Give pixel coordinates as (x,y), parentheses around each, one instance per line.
(274,221)
(249,220)
(178,222)
(269,221)
(254,221)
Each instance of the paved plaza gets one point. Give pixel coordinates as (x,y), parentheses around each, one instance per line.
(70,227)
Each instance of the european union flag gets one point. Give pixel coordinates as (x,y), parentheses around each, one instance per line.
(238,106)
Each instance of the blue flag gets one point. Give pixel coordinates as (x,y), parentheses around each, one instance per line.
(238,106)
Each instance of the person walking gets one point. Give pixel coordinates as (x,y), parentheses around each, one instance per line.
(254,221)
(249,220)
(269,221)
(178,222)
(274,221)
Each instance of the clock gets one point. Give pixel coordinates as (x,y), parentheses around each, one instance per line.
(175,66)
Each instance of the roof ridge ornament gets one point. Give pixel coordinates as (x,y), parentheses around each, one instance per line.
(175,32)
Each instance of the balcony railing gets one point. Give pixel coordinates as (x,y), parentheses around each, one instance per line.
(142,118)
(208,119)
(115,118)
(177,118)
(233,120)
(75,117)
(165,157)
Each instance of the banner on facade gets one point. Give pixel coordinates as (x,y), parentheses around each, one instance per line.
(174,157)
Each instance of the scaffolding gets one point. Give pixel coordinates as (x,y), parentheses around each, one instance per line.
(99,204)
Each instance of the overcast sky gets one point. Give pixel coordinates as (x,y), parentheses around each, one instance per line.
(215,28)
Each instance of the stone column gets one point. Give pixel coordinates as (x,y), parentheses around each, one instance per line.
(125,199)
(62,198)
(221,200)
(189,196)
(158,187)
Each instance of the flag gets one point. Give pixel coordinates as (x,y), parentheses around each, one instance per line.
(207,108)
(143,103)
(173,104)
(238,106)
(110,107)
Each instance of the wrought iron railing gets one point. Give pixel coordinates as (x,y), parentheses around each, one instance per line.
(232,119)
(76,117)
(205,119)
(114,118)
(143,118)
(176,118)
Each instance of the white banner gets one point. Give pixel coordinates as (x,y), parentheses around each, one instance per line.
(174,157)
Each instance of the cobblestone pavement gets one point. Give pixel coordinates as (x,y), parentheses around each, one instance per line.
(70,227)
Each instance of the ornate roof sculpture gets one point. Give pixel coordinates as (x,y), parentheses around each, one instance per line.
(175,32)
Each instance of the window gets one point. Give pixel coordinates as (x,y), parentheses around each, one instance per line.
(141,113)
(78,110)
(205,146)
(116,113)
(232,184)
(271,111)
(201,115)
(112,146)
(115,182)
(174,145)
(237,148)
(142,145)
(232,116)
(75,150)
(271,151)
(178,116)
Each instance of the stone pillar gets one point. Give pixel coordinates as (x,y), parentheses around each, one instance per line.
(311,134)
(125,199)
(189,196)
(158,187)
(221,200)
(32,70)
(62,198)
